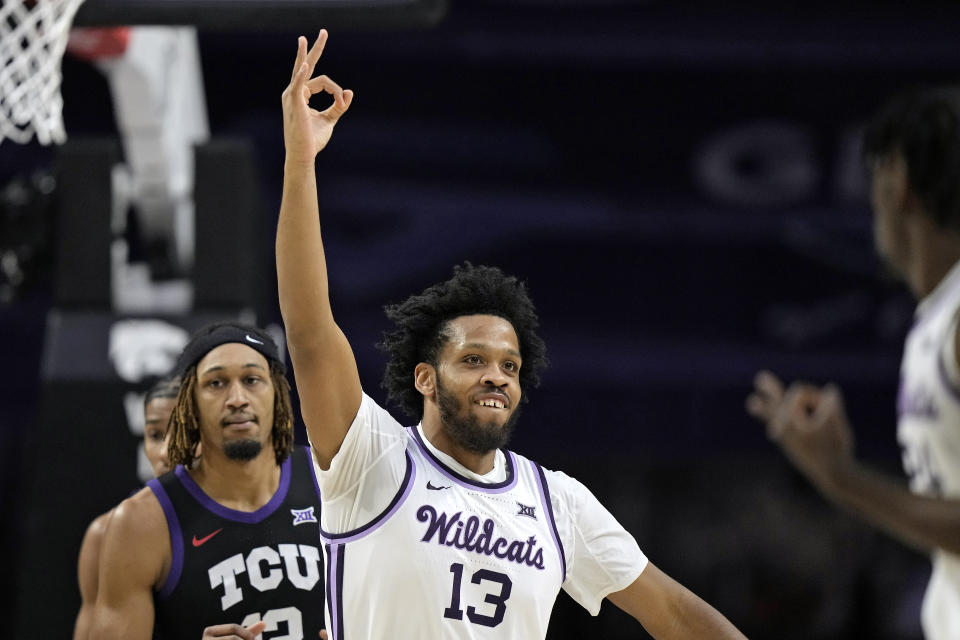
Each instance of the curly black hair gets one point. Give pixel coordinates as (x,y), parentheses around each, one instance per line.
(421,322)
(923,126)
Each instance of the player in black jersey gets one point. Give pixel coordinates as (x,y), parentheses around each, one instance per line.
(231,536)
(158,405)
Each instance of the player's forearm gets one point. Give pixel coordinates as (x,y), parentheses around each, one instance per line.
(301,263)
(326,371)
(697,619)
(921,521)
(670,611)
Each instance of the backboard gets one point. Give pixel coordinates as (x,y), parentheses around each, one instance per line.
(263,14)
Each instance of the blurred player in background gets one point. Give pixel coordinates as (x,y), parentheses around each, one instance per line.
(232,536)
(912,150)
(158,405)
(463,538)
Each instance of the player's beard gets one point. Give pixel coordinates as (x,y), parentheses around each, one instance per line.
(467,430)
(242,450)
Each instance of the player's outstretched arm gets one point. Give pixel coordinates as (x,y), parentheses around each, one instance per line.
(810,425)
(326,372)
(670,611)
(134,555)
(88,566)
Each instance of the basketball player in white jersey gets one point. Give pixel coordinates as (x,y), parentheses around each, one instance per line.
(158,404)
(436,531)
(912,149)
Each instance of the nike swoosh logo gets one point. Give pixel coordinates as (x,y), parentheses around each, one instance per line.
(197,542)
(434,488)
(253,340)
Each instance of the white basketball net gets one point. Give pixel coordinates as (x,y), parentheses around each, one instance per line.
(33,37)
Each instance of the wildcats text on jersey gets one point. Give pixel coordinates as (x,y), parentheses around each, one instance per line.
(470,535)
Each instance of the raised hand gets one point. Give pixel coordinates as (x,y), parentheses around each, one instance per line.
(809,424)
(306,130)
(767,395)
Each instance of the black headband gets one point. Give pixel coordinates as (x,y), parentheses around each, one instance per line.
(214,335)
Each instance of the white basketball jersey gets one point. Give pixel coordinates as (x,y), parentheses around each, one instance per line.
(928,429)
(495,548)
(453,557)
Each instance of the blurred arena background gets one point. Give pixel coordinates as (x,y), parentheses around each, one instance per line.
(679,184)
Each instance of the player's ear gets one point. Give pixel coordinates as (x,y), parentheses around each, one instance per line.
(898,183)
(425,379)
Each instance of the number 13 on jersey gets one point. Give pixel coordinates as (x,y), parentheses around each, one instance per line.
(497,598)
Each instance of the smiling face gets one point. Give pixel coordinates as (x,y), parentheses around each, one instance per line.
(235,401)
(477,382)
(156,416)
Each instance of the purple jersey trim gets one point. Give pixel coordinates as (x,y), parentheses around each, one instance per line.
(313,471)
(176,538)
(335,555)
(548,505)
(252,517)
(494,487)
(328,564)
(401,496)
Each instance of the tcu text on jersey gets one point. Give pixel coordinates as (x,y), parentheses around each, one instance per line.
(264,569)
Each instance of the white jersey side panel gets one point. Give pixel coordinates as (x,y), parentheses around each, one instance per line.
(928,430)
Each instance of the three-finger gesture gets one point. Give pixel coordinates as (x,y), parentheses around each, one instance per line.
(306,130)
(808,422)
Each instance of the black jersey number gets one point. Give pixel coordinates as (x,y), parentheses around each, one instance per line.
(498,600)
(274,617)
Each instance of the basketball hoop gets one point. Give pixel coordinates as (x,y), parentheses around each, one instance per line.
(98,43)
(33,37)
